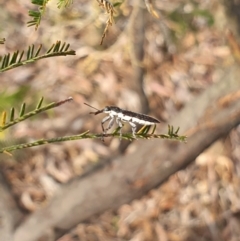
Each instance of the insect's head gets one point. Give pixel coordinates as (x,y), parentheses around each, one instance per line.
(106,109)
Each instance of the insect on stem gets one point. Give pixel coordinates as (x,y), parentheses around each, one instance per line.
(121,115)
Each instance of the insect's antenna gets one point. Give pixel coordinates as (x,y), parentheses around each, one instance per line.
(91,106)
(96,112)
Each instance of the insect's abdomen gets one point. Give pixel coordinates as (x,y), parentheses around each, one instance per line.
(137,118)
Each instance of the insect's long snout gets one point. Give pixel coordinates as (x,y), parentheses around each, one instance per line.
(96,112)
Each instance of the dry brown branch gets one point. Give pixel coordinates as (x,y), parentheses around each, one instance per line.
(136,39)
(136,33)
(129,177)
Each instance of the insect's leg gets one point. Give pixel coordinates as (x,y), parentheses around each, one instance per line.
(118,120)
(134,127)
(110,124)
(103,121)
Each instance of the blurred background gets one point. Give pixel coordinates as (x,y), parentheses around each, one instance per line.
(146,64)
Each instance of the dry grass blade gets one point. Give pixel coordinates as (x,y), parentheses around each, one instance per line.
(150,8)
(105,32)
(106,5)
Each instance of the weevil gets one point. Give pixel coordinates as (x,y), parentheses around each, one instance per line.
(121,115)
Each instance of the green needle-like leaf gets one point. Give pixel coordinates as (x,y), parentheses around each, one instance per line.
(57,49)
(38,51)
(154,128)
(3,118)
(40,103)
(12,112)
(22,110)
(20,58)
(64,3)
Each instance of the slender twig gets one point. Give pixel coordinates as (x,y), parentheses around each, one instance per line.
(87,135)
(32,113)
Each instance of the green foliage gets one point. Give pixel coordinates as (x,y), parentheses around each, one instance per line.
(172,135)
(9,61)
(144,133)
(64,3)
(23,116)
(37,15)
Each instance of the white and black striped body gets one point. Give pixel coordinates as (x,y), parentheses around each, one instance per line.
(125,116)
